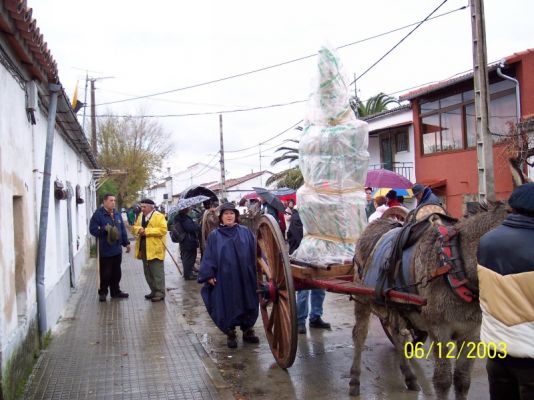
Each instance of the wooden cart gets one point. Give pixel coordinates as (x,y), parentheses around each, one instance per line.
(278,278)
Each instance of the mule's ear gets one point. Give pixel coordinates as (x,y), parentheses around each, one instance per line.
(518,177)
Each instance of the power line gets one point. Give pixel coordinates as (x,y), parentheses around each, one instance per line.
(203,113)
(202,171)
(283,63)
(400,41)
(264,142)
(173,101)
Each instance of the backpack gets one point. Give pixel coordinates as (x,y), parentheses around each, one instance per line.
(177,233)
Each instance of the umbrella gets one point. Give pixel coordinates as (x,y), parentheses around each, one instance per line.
(286,194)
(406,193)
(250,196)
(383,178)
(270,198)
(196,190)
(186,203)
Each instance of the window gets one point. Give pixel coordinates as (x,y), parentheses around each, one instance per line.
(448,123)
(401,141)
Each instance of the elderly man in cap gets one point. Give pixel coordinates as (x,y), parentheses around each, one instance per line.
(108,227)
(150,228)
(424,195)
(506,280)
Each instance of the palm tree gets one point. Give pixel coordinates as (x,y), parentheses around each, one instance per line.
(375,104)
(291,177)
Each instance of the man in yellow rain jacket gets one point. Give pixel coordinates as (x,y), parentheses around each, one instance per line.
(150,230)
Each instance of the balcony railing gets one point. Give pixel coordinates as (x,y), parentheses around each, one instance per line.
(402,168)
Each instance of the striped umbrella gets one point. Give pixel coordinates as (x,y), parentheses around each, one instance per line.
(406,193)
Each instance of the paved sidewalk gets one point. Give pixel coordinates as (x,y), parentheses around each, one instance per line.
(125,349)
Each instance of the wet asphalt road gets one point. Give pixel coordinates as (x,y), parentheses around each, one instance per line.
(322,365)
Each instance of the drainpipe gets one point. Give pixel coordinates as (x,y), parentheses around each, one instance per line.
(502,64)
(45,200)
(69,235)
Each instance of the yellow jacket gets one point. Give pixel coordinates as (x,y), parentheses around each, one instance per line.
(156,234)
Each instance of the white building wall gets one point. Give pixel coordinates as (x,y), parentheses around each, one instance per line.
(235,193)
(16,179)
(392,120)
(374,150)
(21,174)
(156,194)
(196,174)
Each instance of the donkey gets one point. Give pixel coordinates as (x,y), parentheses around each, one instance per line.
(446,318)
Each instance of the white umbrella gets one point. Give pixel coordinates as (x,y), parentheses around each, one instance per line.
(186,203)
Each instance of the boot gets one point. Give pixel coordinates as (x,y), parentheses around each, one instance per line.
(250,337)
(231,340)
(319,323)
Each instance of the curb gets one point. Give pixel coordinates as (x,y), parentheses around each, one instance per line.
(224,389)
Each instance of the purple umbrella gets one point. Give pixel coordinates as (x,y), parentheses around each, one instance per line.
(383,178)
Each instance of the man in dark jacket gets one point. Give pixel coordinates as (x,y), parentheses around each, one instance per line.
(506,279)
(189,246)
(108,227)
(313,297)
(424,195)
(370,206)
(295,231)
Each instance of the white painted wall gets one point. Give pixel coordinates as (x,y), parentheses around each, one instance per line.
(196,174)
(238,191)
(156,194)
(21,174)
(391,120)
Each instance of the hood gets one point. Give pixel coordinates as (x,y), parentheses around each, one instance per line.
(519,221)
(229,231)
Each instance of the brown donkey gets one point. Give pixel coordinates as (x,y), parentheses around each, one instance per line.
(446,318)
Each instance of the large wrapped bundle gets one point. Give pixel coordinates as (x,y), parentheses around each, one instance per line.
(335,156)
(333,159)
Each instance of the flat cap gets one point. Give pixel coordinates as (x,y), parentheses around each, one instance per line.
(147,201)
(417,188)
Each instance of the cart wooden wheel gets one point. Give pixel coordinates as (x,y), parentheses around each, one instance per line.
(275,288)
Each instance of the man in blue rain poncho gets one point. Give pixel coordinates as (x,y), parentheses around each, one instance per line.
(228,271)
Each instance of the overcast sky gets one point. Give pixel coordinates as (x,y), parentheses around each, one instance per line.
(153,47)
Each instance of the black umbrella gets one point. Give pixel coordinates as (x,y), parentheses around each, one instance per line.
(196,190)
(270,198)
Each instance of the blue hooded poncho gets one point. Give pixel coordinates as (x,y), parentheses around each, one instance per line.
(230,258)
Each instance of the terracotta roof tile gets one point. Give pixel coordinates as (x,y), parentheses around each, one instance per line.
(237,181)
(462,77)
(28,42)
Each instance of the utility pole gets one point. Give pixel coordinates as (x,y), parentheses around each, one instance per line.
(93,117)
(223,180)
(486,183)
(85,99)
(93,112)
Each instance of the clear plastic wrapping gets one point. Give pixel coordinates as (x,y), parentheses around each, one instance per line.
(333,159)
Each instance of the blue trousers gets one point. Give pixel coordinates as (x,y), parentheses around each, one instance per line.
(316,297)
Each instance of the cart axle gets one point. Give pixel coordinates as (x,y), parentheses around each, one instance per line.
(268,291)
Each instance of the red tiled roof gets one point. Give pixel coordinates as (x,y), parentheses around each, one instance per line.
(23,34)
(442,84)
(236,181)
(518,56)
(462,77)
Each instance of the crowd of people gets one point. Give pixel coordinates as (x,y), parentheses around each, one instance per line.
(228,269)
